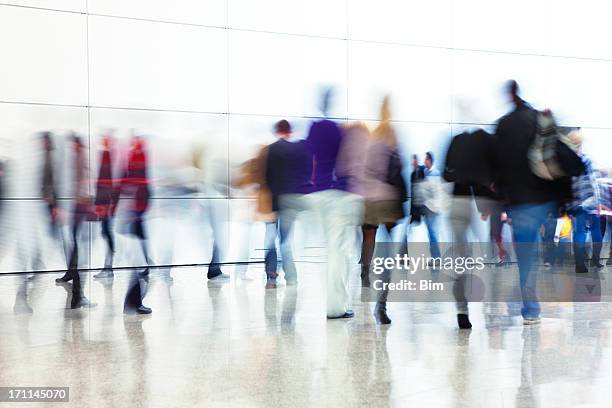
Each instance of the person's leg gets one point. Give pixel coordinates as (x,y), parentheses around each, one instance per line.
(460,218)
(609,228)
(380,312)
(526,220)
(579,226)
(270,250)
(73,263)
(340,213)
(110,242)
(287,217)
(431,221)
(134,296)
(496,226)
(597,238)
(215,215)
(367,251)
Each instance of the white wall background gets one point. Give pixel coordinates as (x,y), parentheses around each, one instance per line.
(222,71)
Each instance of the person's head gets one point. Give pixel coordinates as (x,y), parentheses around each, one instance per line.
(429,160)
(106,142)
(513,91)
(137,143)
(415,161)
(77,143)
(326,100)
(384,132)
(282,129)
(47,141)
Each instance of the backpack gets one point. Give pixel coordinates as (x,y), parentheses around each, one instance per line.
(552,155)
(468,159)
(395,176)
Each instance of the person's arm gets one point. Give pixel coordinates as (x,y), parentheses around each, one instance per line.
(558,229)
(270,173)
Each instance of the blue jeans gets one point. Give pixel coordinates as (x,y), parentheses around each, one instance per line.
(581,220)
(526,222)
(431,221)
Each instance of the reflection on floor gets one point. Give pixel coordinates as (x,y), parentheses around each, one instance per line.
(236,344)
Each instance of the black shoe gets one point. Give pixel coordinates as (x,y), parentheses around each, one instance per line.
(380,314)
(132,309)
(64,279)
(82,302)
(347,315)
(581,269)
(609,261)
(463,321)
(595,263)
(142,309)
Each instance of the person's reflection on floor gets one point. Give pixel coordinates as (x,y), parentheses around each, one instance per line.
(288,310)
(21,305)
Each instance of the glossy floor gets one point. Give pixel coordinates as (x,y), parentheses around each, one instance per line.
(236,344)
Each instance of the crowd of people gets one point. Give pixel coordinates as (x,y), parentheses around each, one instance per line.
(530,174)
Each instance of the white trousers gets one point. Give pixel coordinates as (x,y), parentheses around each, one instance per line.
(339,214)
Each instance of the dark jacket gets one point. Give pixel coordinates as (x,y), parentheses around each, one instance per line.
(288,169)
(514,180)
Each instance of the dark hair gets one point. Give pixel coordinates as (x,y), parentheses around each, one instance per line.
(282,126)
(415,157)
(430,156)
(512,87)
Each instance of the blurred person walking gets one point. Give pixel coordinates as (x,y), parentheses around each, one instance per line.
(287,175)
(416,196)
(105,204)
(468,165)
(134,188)
(584,208)
(432,196)
(339,212)
(81,209)
(530,197)
(253,172)
(384,191)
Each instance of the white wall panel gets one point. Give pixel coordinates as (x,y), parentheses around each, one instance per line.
(43,56)
(399,21)
(521,26)
(68,5)
(478,83)
(418,80)
(580,92)
(597,145)
(283,74)
(314,17)
(208,12)
(156,65)
(581,28)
